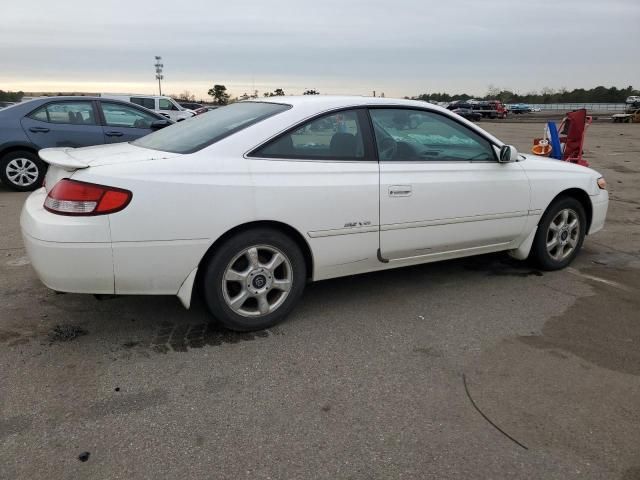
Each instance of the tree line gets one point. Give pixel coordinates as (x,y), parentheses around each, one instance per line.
(598,94)
(11,96)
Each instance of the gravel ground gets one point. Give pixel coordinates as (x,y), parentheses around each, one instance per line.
(476,368)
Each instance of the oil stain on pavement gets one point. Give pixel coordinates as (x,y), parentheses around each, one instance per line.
(179,337)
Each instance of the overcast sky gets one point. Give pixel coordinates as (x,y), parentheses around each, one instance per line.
(399,47)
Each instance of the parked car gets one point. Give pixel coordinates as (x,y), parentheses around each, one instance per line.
(632,107)
(486,108)
(519,108)
(249,202)
(633,99)
(27,127)
(4,104)
(166,106)
(468,113)
(190,105)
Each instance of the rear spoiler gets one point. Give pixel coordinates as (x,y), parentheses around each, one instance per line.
(60,157)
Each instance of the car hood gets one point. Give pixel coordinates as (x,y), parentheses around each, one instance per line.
(75,158)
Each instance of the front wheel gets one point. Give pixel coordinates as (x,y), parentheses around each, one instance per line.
(254,280)
(560,234)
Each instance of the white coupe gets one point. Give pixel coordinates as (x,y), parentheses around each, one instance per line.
(251,201)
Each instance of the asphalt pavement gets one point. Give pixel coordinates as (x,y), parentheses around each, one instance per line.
(477,368)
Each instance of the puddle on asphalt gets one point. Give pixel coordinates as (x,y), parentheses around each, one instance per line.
(603,329)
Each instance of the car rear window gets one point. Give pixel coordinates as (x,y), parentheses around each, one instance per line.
(200,131)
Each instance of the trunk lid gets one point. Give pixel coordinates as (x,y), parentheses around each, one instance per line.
(74,158)
(64,160)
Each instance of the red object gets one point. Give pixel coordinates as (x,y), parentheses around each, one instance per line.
(572,130)
(498,106)
(71,197)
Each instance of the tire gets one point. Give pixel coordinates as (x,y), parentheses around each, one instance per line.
(557,243)
(231,274)
(22,170)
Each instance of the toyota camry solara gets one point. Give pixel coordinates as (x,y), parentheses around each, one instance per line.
(251,201)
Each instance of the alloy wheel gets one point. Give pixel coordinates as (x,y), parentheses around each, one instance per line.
(563,234)
(257,281)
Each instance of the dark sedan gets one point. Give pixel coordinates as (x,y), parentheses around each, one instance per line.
(30,126)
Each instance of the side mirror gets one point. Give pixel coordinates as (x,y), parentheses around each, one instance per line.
(158,124)
(508,153)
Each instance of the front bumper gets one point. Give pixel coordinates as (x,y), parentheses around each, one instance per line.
(599,204)
(69,254)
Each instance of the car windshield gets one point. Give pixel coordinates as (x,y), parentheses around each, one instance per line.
(200,131)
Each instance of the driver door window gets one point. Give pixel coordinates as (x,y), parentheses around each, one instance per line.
(165,104)
(414,135)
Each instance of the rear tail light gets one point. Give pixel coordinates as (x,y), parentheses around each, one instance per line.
(71,197)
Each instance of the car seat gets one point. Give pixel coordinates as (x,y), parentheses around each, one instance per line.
(90,120)
(343,145)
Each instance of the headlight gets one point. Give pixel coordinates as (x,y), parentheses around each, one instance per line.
(602,183)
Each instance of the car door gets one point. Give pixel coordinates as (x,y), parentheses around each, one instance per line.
(63,123)
(123,123)
(326,173)
(442,188)
(167,107)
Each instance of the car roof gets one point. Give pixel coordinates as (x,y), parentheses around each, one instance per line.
(22,108)
(328,102)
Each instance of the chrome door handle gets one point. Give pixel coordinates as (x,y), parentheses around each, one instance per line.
(400,190)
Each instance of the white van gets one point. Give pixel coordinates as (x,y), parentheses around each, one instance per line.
(166,106)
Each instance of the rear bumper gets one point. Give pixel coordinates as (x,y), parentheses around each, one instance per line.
(599,204)
(76,254)
(69,254)
(72,267)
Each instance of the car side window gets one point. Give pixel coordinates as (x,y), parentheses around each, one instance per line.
(149,103)
(165,104)
(417,135)
(336,136)
(119,115)
(74,113)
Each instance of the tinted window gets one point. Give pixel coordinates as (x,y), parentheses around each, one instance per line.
(166,104)
(198,132)
(337,136)
(118,115)
(149,103)
(75,113)
(415,135)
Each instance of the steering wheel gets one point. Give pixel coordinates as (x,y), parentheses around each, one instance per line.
(388,148)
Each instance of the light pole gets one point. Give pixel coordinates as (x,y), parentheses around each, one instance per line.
(159,75)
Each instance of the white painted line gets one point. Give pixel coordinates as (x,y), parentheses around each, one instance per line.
(611,283)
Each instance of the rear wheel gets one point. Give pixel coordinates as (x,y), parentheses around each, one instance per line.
(560,234)
(254,279)
(22,170)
